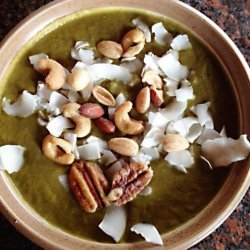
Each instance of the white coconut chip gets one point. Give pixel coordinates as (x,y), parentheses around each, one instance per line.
(153,138)
(78,46)
(181,42)
(146,191)
(223,132)
(101,71)
(72,139)
(174,53)
(114,222)
(58,124)
(180,160)
(117,166)
(162,36)
(36,58)
(64,180)
(170,128)
(120,99)
(43,91)
(107,158)
(24,106)
(128,59)
(87,91)
(11,158)
(151,62)
(152,152)
(204,116)
(172,86)
(185,93)
(224,151)
(156,119)
(207,134)
(73,96)
(207,161)
(149,232)
(174,110)
(102,145)
(103,60)
(143,27)
(90,151)
(141,158)
(172,67)
(133,66)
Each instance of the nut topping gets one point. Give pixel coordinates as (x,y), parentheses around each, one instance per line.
(129,182)
(123,146)
(89,185)
(79,79)
(152,78)
(174,143)
(156,96)
(124,122)
(142,102)
(110,49)
(91,110)
(105,125)
(103,96)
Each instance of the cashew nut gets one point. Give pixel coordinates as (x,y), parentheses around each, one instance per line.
(83,124)
(79,79)
(56,74)
(124,122)
(58,150)
(133,42)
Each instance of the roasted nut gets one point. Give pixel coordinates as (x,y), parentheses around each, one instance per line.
(110,49)
(89,185)
(103,96)
(142,102)
(152,78)
(79,79)
(56,74)
(123,146)
(156,96)
(124,122)
(91,110)
(105,125)
(129,182)
(83,124)
(133,42)
(174,143)
(57,150)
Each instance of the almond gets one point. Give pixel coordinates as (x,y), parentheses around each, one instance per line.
(105,125)
(110,49)
(156,96)
(174,143)
(124,146)
(152,78)
(142,102)
(103,96)
(91,110)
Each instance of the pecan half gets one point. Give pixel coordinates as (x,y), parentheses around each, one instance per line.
(89,185)
(129,182)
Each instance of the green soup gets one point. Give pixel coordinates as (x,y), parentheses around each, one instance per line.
(176,197)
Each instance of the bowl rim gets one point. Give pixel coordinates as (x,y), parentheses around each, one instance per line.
(23,222)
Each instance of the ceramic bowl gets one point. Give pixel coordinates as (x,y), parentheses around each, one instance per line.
(237,183)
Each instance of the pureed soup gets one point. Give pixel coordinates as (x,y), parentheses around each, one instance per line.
(176,196)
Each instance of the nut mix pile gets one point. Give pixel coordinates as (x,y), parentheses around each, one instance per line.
(71,104)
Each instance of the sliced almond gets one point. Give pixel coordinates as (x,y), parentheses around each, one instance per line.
(123,146)
(142,102)
(110,49)
(103,96)
(152,78)
(174,143)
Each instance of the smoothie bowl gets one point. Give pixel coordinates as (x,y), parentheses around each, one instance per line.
(117,125)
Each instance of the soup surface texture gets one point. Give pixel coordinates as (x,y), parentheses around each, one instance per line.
(177,197)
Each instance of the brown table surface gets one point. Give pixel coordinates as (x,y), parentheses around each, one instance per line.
(233,17)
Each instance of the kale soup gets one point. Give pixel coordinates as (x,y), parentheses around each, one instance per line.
(117,115)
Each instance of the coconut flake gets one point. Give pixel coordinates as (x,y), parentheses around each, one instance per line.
(207,161)
(180,160)
(146,191)
(73,96)
(90,151)
(156,119)
(114,222)
(224,151)
(87,91)
(181,42)
(172,86)
(162,36)
(120,99)
(153,138)
(207,134)
(102,145)
(143,27)
(24,106)
(101,71)
(152,152)
(57,125)
(133,66)
(116,167)
(79,46)
(151,62)
(72,139)
(36,58)
(149,232)
(204,116)
(107,158)
(43,91)
(142,158)
(63,179)
(172,67)
(223,132)
(11,158)
(184,93)
(86,56)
